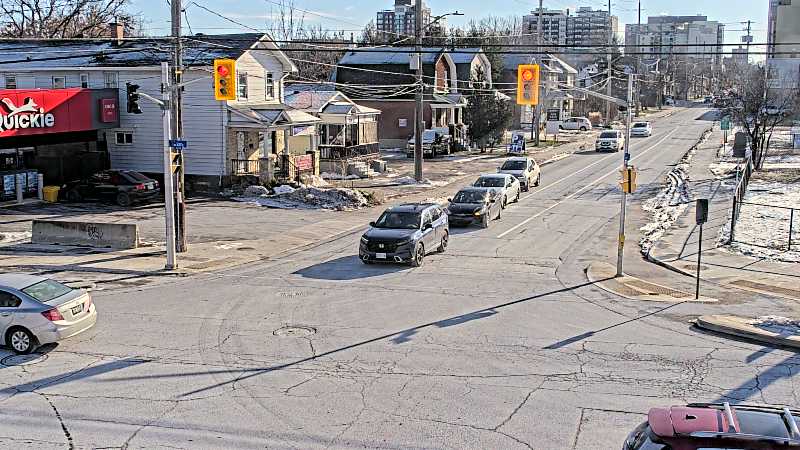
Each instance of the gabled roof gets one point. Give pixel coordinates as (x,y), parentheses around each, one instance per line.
(379,56)
(200,50)
(312,101)
(466,58)
(269,115)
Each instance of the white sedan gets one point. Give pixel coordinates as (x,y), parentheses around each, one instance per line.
(641,129)
(504,187)
(36,311)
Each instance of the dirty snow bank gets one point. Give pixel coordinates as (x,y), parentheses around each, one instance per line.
(309,197)
(763,232)
(776,324)
(11,237)
(670,203)
(410,181)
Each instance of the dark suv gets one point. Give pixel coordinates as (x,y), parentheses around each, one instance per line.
(124,187)
(709,426)
(405,234)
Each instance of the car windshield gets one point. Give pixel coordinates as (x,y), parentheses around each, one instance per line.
(470,197)
(640,125)
(490,182)
(608,135)
(47,290)
(514,165)
(429,135)
(394,219)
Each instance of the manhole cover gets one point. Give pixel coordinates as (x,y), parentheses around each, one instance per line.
(23,360)
(294,331)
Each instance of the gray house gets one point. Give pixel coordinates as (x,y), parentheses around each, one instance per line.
(225,139)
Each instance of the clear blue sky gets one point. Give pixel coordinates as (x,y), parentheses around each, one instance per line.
(353,14)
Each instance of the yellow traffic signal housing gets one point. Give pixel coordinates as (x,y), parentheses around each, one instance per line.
(528,84)
(225,79)
(628,180)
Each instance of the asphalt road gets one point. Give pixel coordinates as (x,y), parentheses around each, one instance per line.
(500,343)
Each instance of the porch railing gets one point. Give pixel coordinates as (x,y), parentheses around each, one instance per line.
(355,151)
(242,167)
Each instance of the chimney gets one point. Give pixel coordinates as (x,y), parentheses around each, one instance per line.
(116,31)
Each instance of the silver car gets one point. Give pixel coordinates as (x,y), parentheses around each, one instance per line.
(505,187)
(524,169)
(35,311)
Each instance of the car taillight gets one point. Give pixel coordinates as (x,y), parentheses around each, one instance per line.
(87,304)
(139,187)
(52,315)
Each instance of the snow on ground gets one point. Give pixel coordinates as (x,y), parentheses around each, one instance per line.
(338,176)
(309,197)
(11,237)
(410,181)
(763,231)
(776,324)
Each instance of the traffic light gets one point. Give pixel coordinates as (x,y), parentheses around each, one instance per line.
(133,98)
(528,84)
(225,79)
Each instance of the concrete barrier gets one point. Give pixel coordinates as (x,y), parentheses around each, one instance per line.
(90,234)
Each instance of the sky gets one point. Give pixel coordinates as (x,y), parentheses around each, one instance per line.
(352,15)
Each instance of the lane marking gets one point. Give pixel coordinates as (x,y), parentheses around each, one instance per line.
(581,190)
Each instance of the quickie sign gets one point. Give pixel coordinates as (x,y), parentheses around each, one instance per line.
(27,115)
(26,112)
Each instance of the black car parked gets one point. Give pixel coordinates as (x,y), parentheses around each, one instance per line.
(473,205)
(124,187)
(405,234)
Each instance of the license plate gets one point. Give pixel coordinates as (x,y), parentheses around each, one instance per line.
(77,309)
(380,255)
(150,186)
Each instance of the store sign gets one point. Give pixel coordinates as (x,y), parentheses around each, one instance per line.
(305,162)
(26,115)
(31,112)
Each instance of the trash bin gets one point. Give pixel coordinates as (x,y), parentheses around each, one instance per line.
(51,193)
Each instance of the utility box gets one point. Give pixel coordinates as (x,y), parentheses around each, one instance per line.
(740,142)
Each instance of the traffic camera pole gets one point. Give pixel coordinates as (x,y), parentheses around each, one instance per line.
(626,157)
(169,199)
(176,109)
(419,114)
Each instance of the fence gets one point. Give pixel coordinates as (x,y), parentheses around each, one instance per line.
(738,196)
(338,153)
(245,167)
(770,226)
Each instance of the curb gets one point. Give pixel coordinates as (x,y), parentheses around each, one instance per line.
(737,326)
(633,288)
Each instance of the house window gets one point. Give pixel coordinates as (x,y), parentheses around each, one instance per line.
(111,80)
(402,123)
(270,85)
(59,82)
(85,80)
(241,85)
(124,137)
(11,81)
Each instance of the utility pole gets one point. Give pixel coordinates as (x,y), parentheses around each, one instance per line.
(176,111)
(169,178)
(625,159)
(639,62)
(749,39)
(419,114)
(610,109)
(537,111)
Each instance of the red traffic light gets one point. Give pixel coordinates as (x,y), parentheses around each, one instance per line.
(527,75)
(223,71)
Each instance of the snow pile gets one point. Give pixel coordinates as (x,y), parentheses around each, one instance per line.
(409,181)
(763,231)
(724,169)
(309,197)
(280,190)
(776,324)
(10,237)
(338,176)
(313,180)
(255,191)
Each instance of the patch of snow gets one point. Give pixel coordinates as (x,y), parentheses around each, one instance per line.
(255,191)
(11,237)
(777,324)
(282,189)
(763,231)
(410,181)
(724,169)
(338,176)
(555,158)
(309,197)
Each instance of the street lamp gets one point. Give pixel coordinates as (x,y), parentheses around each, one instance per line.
(419,115)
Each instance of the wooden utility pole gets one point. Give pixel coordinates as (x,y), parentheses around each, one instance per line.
(419,114)
(537,111)
(610,109)
(176,111)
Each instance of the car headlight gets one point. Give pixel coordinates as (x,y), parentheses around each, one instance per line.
(364,240)
(402,243)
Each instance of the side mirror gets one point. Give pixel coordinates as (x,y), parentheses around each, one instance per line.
(427,226)
(450,200)
(372,224)
(492,200)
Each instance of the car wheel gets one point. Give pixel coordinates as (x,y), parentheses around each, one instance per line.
(73,196)
(519,193)
(583,129)
(445,241)
(504,202)
(366,261)
(499,212)
(419,256)
(538,180)
(485,220)
(21,340)
(123,199)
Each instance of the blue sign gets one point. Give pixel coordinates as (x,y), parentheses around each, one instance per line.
(177,144)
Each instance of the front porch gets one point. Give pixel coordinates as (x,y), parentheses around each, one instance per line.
(447,111)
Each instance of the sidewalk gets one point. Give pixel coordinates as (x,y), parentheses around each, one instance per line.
(677,249)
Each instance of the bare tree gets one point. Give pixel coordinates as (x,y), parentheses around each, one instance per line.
(51,19)
(759,108)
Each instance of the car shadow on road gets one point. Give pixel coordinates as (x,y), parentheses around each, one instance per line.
(349,268)
(461,231)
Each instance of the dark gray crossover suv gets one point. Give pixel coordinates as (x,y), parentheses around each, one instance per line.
(405,234)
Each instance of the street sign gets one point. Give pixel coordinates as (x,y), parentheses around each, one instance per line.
(701,211)
(554,114)
(725,124)
(177,144)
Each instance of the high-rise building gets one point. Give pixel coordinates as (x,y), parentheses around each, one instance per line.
(400,21)
(586,28)
(692,37)
(783,51)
